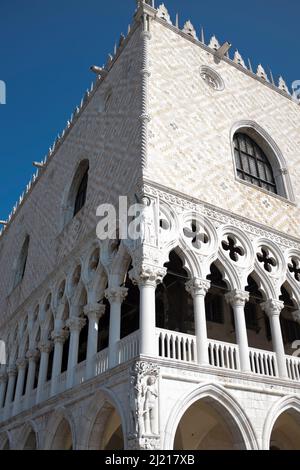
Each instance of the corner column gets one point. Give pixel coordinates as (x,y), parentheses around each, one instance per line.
(32,356)
(75,326)
(59,337)
(237,299)
(21,365)
(45,349)
(273,309)
(116,296)
(198,289)
(94,313)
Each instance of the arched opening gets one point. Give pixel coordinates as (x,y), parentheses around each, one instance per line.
(83,341)
(31,443)
(130,308)
(259,161)
(286,431)
(106,431)
(113,438)
(63,437)
(22,262)
(103,332)
(76,197)
(207,425)
(290,328)
(257,322)
(219,315)
(174,306)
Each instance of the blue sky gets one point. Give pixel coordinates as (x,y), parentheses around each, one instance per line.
(47,47)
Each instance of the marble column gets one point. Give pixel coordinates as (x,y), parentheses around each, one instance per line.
(237,299)
(75,326)
(58,337)
(22,367)
(45,349)
(94,312)
(116,296)
(198,289)
(273,308)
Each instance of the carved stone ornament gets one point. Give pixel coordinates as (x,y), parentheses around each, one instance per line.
(143,398)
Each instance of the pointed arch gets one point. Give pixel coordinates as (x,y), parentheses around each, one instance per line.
(75,197)
(61,431)
(219,397)
(272,151)
(283,405)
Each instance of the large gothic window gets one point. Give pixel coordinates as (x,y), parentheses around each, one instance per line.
(81,193)
(252,163)
(22,261)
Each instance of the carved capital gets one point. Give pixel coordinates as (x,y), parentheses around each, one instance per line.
(197,286)
(148,275)
(94,311)
(272,307)
(45,347)
(21,363)
(59,336)
(33,355)
(237,298)
(116,294)
(12,371)
(75,324)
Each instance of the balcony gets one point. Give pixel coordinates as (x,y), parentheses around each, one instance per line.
(171,346)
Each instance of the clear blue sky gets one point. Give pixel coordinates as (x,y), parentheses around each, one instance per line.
(47,47)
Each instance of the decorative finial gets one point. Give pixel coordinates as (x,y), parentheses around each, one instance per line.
(202,35)
(261,73)
(214,43)
(189,29)
(238,59)
(163,13)
(283,86)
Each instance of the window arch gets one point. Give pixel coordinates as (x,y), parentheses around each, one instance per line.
(252,164)
(76,196)
(22,262)
(259,161)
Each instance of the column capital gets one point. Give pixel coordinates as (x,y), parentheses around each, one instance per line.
(148,275)
(237,298)
(94,311)
(12,371)
(198,286)
(45,346)
(75,323)
(116,294)
(59,336)
(21,363)
(33,355)
(272,307)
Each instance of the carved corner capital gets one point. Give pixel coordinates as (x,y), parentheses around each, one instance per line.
(59,336)
(237,298)
(95,311)
(76,323)
(21,363)
(33,355)
(148,275)
(45,347)
(272,307)
(144,443)
(116,294)
(198,286)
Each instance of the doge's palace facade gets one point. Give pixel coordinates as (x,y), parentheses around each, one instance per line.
(187,337)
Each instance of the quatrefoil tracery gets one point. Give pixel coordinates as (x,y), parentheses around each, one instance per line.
(265,258)
(234,249)
(294,268)
(196,233)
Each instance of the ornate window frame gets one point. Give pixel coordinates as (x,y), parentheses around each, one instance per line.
(274,155)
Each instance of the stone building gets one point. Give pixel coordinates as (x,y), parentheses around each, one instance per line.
(185,338)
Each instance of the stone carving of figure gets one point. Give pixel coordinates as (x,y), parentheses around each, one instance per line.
(150,393)
(148,230)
